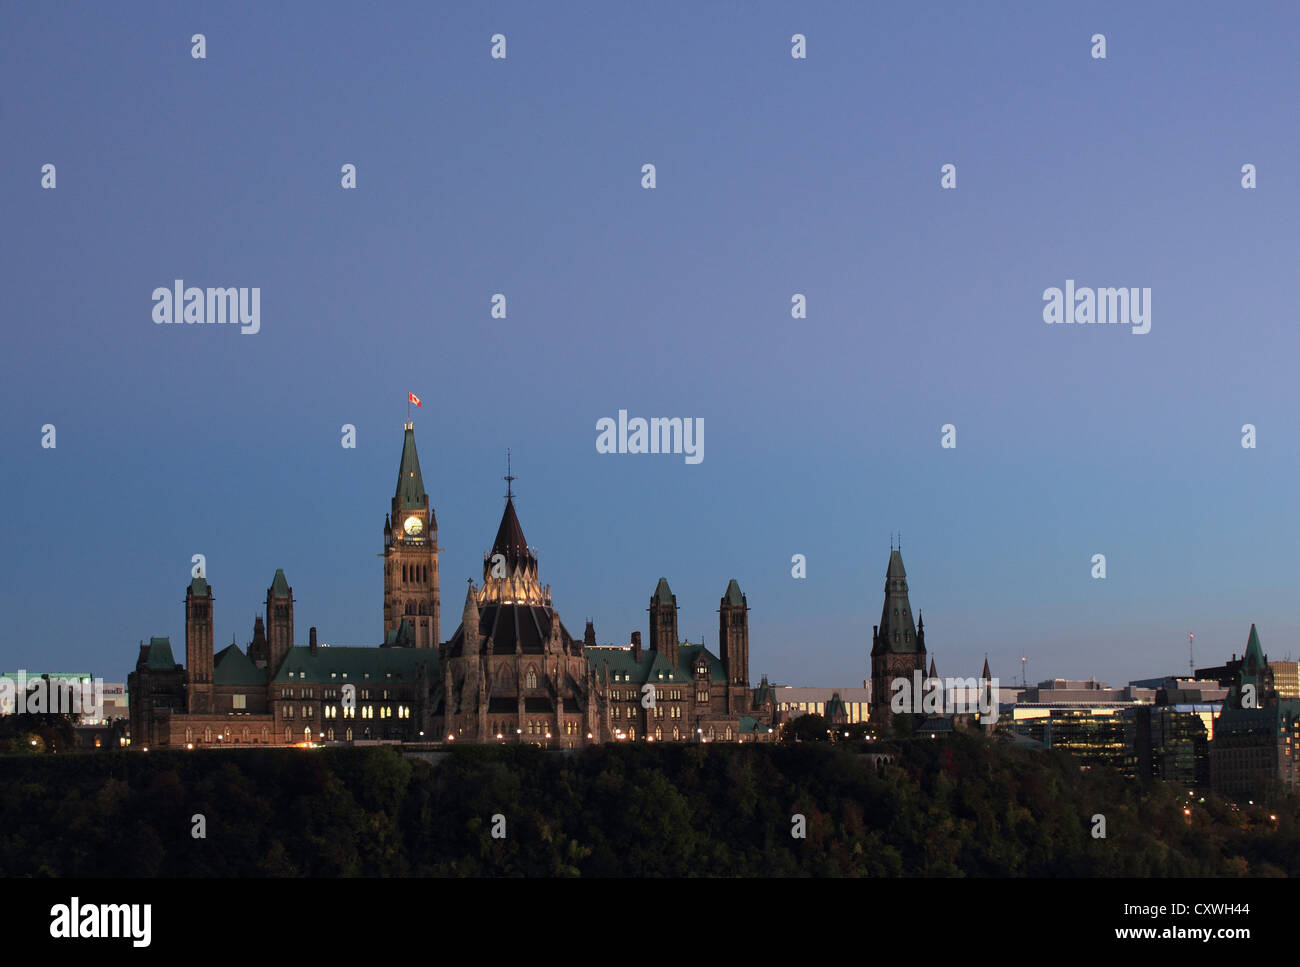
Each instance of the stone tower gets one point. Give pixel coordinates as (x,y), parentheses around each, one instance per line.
(279,621)
(198,646)
(411,555)
(733,646)
(663,621)
(896,649)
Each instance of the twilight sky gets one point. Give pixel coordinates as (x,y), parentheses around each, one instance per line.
(775,176)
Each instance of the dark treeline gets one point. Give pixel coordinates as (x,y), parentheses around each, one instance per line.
(963,806)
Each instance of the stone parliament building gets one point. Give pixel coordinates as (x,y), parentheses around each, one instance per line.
(511,671)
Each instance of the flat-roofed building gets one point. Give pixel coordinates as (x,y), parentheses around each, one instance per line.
(793,701)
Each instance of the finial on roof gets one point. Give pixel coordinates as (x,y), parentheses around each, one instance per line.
(508,478)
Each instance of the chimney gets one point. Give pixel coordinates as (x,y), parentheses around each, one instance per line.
(636,646)
(311,638)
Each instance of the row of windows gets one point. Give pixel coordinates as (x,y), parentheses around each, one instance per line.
(303,675)
(415,574)
(329,693)
(661,695)
(627,676)
(230,735)
(367,711)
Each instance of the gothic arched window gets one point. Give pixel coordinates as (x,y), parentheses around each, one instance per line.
(531,680)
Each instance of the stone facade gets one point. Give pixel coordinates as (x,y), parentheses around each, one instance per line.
(511,672)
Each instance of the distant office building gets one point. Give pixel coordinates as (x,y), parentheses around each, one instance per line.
(65,693)
(1086,718)
(854,704)
(1062,691)
(117,703)
(1169,742)
(1286,678)
(1257,735)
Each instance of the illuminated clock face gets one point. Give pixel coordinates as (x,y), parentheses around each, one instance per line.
(414,526)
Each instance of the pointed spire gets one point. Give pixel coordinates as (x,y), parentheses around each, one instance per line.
(896,570)
(279,584)
(410,484)
(1254,652)
(733,595)
(663,593)
(510,542)
(469,617)
(933,673)
(984,675)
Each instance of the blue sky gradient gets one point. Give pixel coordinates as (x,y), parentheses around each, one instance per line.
(775,176)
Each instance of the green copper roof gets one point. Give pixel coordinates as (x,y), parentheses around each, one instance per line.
(410,485)
(733,595)
(200,586)
(663,594)
(279,586)
(357,665)
(896,633)
(836,706)
(160,654)
(750,725)
(652,663)
(232,667)
(1253,648)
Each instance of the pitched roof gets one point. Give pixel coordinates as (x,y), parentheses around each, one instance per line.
(232,667)
(750,725)
(1253,649)
(279,584)
(354,663)
(510,542)
(199,585)
(733,595)
(527,625)
(663,594)
(410,484)
(621,662)
(836,706)
(896,633)
(160,654)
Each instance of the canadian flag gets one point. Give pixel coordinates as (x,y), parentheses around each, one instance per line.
(414,399)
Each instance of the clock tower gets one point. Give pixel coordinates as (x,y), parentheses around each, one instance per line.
(411,557)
